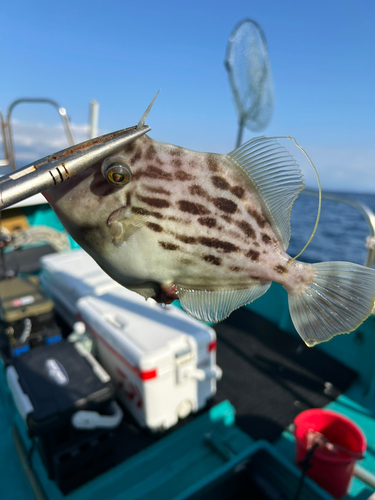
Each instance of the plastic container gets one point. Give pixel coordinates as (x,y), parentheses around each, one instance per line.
(66,277)
(340,443)
(162,362)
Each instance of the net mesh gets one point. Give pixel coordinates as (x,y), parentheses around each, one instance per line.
(250,75)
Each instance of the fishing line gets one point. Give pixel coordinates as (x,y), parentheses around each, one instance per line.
(319,203)
(320,198)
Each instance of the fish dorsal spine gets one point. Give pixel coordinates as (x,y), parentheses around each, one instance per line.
(276,175)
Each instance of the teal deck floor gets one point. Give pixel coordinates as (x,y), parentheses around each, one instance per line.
(172,469)
(166,470)
(183,466)
(14,484)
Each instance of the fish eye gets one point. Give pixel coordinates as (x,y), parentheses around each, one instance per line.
(116,171)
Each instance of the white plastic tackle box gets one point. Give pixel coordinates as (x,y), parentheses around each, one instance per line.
(162,361)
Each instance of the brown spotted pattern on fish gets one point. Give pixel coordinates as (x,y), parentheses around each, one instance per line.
(212,228)
(207,221)
(195,191)
(202,202)
(180,175)
(154,227)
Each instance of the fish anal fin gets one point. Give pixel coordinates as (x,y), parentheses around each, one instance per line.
(212,306)
(276,176)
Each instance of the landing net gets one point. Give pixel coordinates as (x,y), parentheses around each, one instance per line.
(250,76)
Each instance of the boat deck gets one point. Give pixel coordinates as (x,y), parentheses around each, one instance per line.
(269,377)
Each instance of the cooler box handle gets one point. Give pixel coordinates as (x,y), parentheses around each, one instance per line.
(94,420)
(200,374)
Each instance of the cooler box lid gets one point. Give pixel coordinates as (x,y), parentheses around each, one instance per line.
(140,330)
(57,381)
(76,274)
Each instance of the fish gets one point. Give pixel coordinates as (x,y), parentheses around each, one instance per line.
(211,230)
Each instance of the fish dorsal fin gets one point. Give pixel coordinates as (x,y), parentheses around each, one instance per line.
(215,305)
(277,177)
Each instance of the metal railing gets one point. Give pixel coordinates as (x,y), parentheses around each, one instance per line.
(363,209)
(7,134)
(5,161)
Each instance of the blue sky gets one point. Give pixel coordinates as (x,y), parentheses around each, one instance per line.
(121,53)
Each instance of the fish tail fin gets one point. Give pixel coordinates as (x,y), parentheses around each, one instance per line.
(339,298)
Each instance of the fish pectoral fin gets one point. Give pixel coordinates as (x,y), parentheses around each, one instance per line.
(339,298)
(123,229)
(215,305)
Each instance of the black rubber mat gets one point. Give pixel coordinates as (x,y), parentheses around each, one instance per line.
(270,376)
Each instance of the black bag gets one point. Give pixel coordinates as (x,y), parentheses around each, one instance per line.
(49,385)
(58,382)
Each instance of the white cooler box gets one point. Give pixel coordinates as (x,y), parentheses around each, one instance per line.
(67,277)
(162,361)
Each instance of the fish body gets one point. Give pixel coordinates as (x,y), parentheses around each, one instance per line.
(209,229)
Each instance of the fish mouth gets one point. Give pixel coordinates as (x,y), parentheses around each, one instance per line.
(163,294)
(166,294)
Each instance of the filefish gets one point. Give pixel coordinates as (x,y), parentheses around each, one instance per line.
(208,229)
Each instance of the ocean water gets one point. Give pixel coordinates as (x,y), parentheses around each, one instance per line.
(341,233)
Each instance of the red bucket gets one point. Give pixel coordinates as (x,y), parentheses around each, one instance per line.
(339,444)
